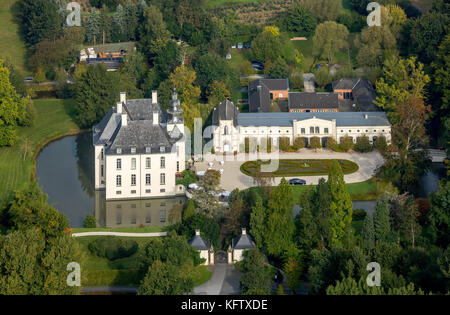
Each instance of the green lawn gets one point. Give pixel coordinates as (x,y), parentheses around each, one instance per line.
(97,271)
(152,229)
(367,190)
(53,120)
(294,167)
(11,46)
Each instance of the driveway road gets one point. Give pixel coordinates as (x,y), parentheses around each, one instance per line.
(232,176)
(224,281)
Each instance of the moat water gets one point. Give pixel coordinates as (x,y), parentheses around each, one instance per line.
(65,171)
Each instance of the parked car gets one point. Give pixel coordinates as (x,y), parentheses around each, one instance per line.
(233,46)
(256,65)
(240,45)
(247,45)
(297,181)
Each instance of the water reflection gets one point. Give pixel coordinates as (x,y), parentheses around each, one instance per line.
(137,213)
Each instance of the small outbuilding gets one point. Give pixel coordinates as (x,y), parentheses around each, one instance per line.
(203,247)
(239,245)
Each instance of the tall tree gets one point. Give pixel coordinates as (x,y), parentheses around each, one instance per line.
(324,10)
(258,222)
(381,220)
(39,20)
(368,233)
(299,20)
(280,221)
(341,207)
(438,218)
(329,38)
(13,109)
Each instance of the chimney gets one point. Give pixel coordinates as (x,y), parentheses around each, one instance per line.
(119,108)
(124,120)
(154,97)
(259,88)
(123,97)
(197,232)
(155,118)
(244,231)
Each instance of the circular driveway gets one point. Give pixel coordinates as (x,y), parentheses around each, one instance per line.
(232,176)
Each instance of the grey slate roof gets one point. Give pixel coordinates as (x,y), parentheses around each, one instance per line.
(300,100)
(199,243)
(225,111)
(259,100)
(362,90)
(243,241)
(139,133)
(343,119)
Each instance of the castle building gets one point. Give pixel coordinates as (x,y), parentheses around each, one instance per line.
(139,149)
(231,129)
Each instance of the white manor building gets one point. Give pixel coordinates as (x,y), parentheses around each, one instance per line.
(139,149)
(231,128)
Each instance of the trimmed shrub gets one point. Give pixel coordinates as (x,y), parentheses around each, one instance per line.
(332,144)
(381,144)
(346,144)
(363,145)
(315,143)
(299,143)
(285,144)
(112,248)
(90,222)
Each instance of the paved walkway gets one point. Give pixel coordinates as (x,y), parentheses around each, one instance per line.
(119,234)
(224,281)
(233,177)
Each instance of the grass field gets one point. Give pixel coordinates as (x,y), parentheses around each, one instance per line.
(11,46)
(367,190)
(53,120)
(153,229)
(97,271)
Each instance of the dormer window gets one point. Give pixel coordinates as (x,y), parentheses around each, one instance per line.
(148,150)
(162,149)
(133,150)
(119,150)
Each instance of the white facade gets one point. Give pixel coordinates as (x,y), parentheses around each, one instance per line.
(229,137)
(139,158)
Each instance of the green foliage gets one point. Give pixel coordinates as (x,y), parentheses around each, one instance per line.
(188,178)
(340,204)
(329,38)
(279,69)
(258,222)
(293,270)
(299,20)
(381,221)
(375,44)
(323,77)
(165,279)
(266,46)
(29,209)
(280,221)
(256,278)
(438,218)
(299,143)
(209,228)
(14,109)
(368,233)
(30,264)
(346,144)
(324,10)
(189,211)
(96,92)
(363,145)
(332,144)
(39,20)
(380,144)
(315,143)
(90,221)
(112,247)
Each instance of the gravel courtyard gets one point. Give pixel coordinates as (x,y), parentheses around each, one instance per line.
(232,176)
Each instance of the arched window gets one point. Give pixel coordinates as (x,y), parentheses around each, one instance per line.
(225,130)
